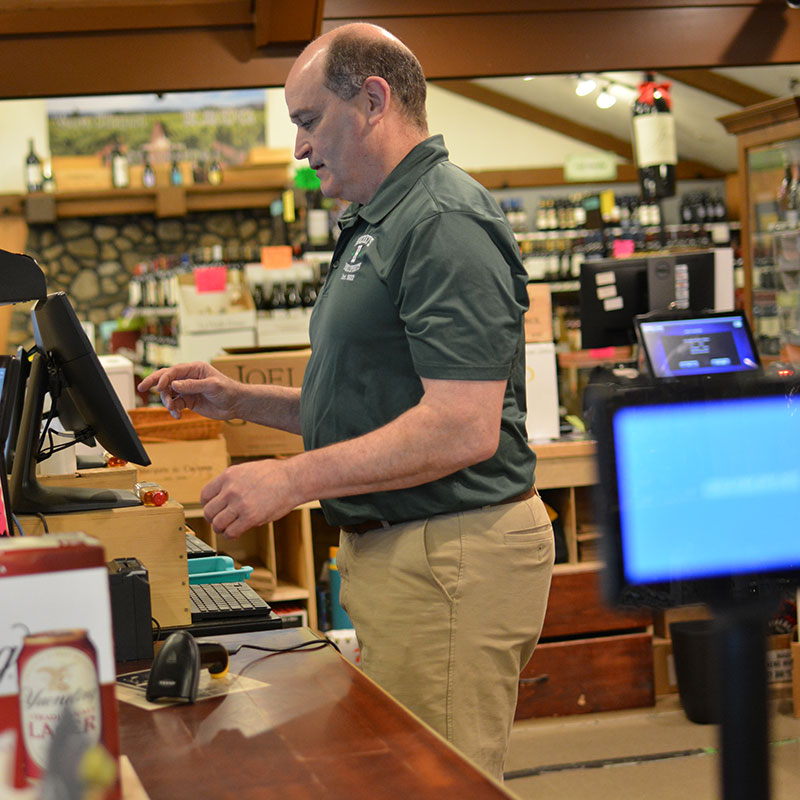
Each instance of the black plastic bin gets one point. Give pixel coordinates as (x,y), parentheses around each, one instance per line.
(693,650)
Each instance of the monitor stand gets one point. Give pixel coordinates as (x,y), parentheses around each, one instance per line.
(741,613)
(28,496)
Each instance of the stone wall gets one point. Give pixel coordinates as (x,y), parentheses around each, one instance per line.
(93,260)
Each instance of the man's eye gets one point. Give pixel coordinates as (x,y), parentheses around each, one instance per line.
(306,124)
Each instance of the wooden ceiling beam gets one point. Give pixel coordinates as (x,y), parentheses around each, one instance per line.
(37,17)
(544,37)
(721,86)
(529,177)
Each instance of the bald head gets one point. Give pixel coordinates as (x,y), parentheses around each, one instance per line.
(348,55)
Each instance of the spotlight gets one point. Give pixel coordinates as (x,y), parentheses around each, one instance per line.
(587,85)
(605,99)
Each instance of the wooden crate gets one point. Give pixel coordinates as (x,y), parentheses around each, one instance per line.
(577,606)
(581,676)
(591,657)
(154,535)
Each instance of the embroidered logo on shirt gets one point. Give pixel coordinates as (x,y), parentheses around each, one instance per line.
(353,265)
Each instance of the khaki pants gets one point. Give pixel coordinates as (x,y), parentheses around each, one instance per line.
(448,611)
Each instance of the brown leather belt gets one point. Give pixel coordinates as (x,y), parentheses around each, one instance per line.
(374,524)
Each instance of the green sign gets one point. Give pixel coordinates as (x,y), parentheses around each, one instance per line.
(583,168)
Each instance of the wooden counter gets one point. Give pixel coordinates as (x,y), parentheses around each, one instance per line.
(565,463)
(316,727)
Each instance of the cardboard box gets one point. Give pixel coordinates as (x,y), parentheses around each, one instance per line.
(539,316)
(541,390)
(663,617)
(200,309)
(779,658)
(780,670)
(280,367)
(184,467)
(665,678)
(56,643)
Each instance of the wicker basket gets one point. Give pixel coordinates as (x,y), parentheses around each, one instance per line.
(156,424)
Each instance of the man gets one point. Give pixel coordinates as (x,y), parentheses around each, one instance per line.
(412,406)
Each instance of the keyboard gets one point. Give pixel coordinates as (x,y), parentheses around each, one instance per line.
(213,601)
(197,548)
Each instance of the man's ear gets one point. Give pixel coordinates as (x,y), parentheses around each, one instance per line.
(378,96)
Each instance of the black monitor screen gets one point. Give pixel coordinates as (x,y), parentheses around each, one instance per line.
(612,293)
(66,366)
(697,345)
(703,487)
(681,282)
(9,375)
(90,399)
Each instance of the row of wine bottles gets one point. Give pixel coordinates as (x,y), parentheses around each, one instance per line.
(578,211)
(206,169)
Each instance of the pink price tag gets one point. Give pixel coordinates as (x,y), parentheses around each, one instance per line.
(602,353)
(210,279)
(623,247)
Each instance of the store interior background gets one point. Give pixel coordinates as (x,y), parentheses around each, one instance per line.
(484,139)
(501,82)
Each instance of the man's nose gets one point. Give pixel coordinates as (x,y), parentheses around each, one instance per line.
(301,147)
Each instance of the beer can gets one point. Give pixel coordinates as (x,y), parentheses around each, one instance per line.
(57,674)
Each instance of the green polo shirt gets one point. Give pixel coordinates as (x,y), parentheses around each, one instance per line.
(425,281)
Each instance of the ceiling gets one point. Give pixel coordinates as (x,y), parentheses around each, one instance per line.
(699,98)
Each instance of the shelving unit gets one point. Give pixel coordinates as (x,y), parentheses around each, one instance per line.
(565,474)
(252,186)
(768,141)
(283,548)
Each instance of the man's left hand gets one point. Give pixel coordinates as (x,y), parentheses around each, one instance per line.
(245,496)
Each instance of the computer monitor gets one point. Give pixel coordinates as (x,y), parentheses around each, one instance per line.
(9,375)
(681,282)
(66,365)
(699,486)
(14,403)
(684,345)
(613,291)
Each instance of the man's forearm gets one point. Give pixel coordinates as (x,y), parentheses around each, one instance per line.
(425,443)
(271,405)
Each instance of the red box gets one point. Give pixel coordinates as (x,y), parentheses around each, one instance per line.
(56,651)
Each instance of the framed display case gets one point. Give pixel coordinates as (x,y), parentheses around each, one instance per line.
(768,138)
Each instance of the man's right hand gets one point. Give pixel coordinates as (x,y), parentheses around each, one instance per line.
(196,386)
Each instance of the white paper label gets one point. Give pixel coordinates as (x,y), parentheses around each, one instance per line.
(654,135)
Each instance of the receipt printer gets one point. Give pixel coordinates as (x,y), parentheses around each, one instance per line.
(130,609)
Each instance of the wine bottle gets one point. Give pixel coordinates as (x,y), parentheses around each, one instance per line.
(48,181)
(120,175)
(175,174)
(148,174)
(654,139)
(214,171)
(33,169)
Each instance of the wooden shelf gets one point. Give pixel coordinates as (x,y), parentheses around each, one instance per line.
(167,201)
(591,358)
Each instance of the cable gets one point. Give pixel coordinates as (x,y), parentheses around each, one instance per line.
(309,646)
(43,520)
(17,523)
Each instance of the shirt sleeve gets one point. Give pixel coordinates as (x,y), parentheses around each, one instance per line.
(458,299)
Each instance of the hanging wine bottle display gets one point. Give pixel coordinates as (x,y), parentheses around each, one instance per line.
(654,144)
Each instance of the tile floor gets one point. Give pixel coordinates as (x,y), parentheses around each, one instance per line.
(642,754)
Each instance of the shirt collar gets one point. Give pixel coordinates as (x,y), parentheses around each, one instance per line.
(399,182)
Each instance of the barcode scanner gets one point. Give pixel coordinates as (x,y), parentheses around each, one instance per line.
(175,672)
